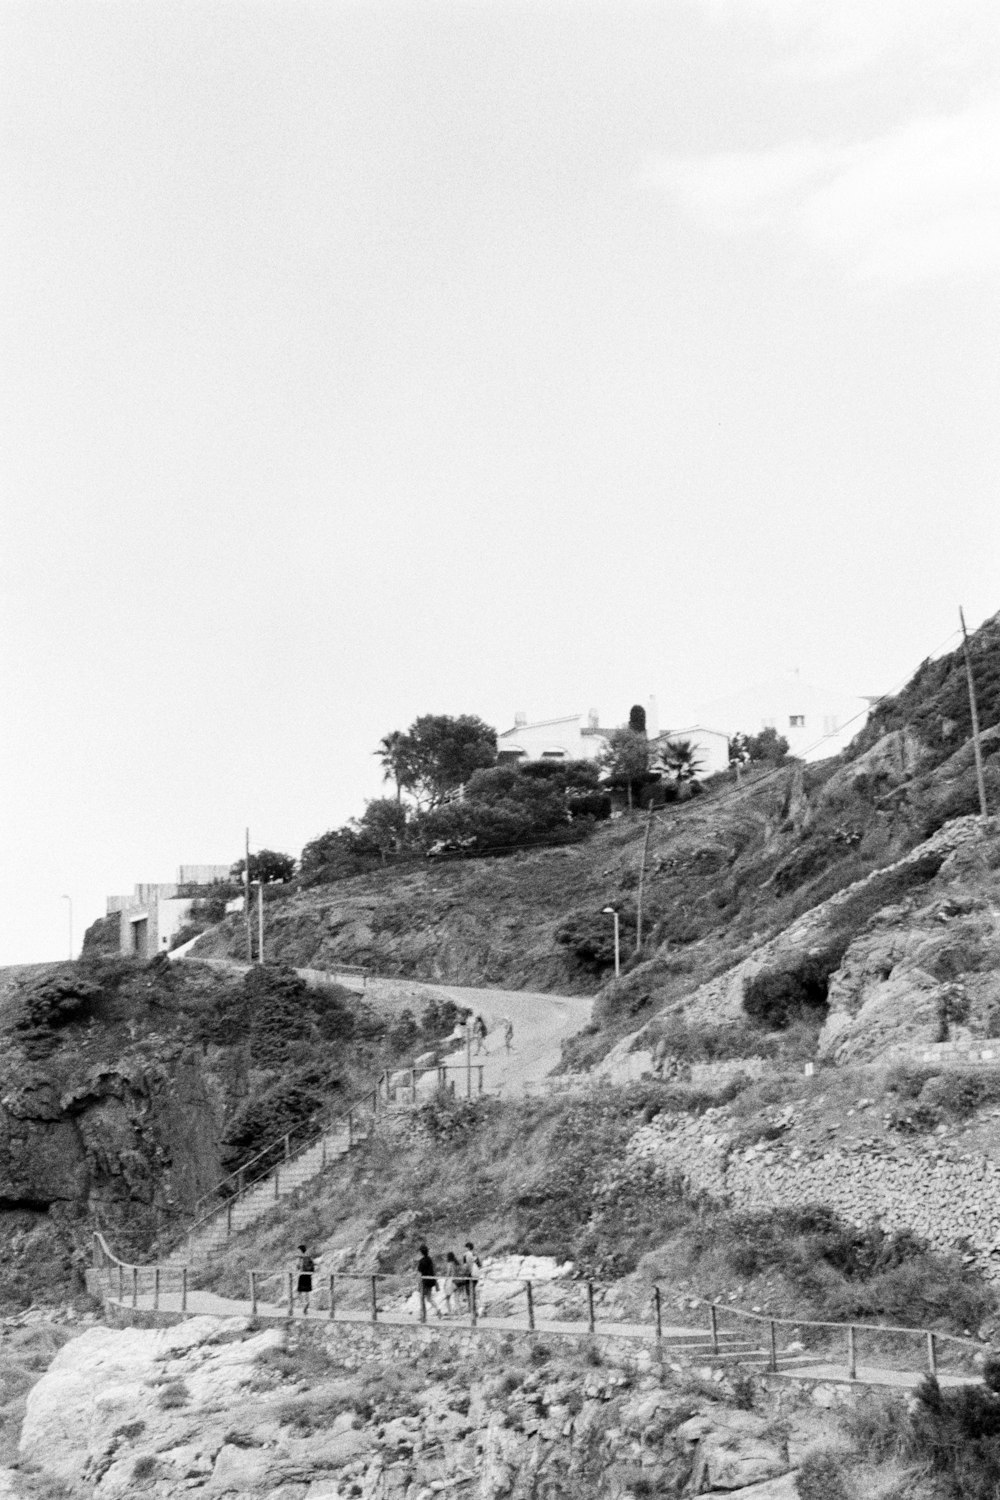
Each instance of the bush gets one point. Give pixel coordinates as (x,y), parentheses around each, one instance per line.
(821,1476)
(776,997)
(281,1109)
(956,1434)
(927,1097)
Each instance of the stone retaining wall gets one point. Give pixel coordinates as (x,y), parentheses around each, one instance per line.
(941,1196)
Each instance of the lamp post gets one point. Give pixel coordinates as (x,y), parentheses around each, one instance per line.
(260,919)
(618,951)
(69,899)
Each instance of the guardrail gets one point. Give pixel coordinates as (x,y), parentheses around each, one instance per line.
(130,1281)
(360,1297)
(931,1338)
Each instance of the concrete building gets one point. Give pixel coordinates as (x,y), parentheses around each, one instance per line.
(154,913)
(574,737)
(815,721)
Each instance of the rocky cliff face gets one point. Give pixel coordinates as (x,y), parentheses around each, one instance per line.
(210,1406)
(112,1119)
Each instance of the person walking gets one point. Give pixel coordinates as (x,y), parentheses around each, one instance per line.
(479,1035)
(428,1280)
(470,1265)
(450,1281)
(305,1266)
(508,1032)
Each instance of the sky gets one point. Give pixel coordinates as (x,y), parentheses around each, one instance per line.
(364,360)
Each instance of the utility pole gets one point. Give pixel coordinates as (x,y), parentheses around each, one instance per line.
(977,747)
(260,921)
(246,901)
(642,878)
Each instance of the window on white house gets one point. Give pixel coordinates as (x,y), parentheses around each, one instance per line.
(796,721)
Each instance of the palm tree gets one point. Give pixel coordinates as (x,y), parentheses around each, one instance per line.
(392,753)
(680,758)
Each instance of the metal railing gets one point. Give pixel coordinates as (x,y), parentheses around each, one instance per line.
(850,1333)
(361,1297)
(281,1152)
(128,1281)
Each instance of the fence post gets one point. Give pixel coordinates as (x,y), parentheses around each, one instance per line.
(659,1314)
(480,1078)
(350,1129)
(423,1301)
(135,1286)
(291,1295)
(277,1178)
(241,1182)
(713,1320)
(413,1085)
(323,1155)
(852,1363)
(288,1149)
(473,1310)
(531,1305)
(774,1346)
(931,1353)
(374,1299)
(590,1306)
(121,1282)
(156,1288)
(253,1293)
(331,1297)
(229,1218)
(184,1289)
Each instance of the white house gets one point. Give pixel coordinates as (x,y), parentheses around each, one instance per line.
(574,737)
(711,747)
(152,914)
(815,721)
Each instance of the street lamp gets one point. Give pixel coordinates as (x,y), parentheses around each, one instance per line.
(618,951)
(260,919)
(70,900)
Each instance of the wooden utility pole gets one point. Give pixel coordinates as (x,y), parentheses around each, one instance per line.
(260,921)
(977,747)
(246,901)
(642,878)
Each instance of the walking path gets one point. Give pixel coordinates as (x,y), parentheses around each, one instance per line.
(677,1340)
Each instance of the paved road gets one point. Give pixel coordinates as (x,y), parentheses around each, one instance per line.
(541,1024)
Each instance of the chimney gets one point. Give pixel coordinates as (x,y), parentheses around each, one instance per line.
(520,719)
(652,718)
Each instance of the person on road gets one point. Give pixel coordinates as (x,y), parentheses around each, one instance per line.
(428,1280)
(470,1265)
(305,1266)
(450,1281)
(479,1034)
(508,1032)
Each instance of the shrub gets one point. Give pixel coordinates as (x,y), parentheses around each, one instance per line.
(174,1394)
(277,1111)
(776,997)
(956,1433)
(821,1476)
(144,1467)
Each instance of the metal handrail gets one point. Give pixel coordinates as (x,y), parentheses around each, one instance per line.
(320,1124)
(740,1312)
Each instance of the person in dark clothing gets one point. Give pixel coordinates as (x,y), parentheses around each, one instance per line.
(305,1265)
(428,1280)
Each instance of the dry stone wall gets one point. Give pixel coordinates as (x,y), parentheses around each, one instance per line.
(948,1199)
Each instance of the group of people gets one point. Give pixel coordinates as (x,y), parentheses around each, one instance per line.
(456,1288)
(480,1031)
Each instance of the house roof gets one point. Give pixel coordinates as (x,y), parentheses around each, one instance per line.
(540,724)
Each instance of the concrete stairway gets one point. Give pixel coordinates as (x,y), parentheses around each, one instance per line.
(217,1224)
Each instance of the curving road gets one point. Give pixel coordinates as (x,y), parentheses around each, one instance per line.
(541,1024)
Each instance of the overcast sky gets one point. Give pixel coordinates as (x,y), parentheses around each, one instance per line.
(366,360)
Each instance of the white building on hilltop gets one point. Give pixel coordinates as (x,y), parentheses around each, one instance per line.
(815,721)
(574,737)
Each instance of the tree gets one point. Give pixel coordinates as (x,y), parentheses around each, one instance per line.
(436,754)
(769,747)
(680,759)
(381,827)
(394,752)
(637,719)
(626,760)
(268,866)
